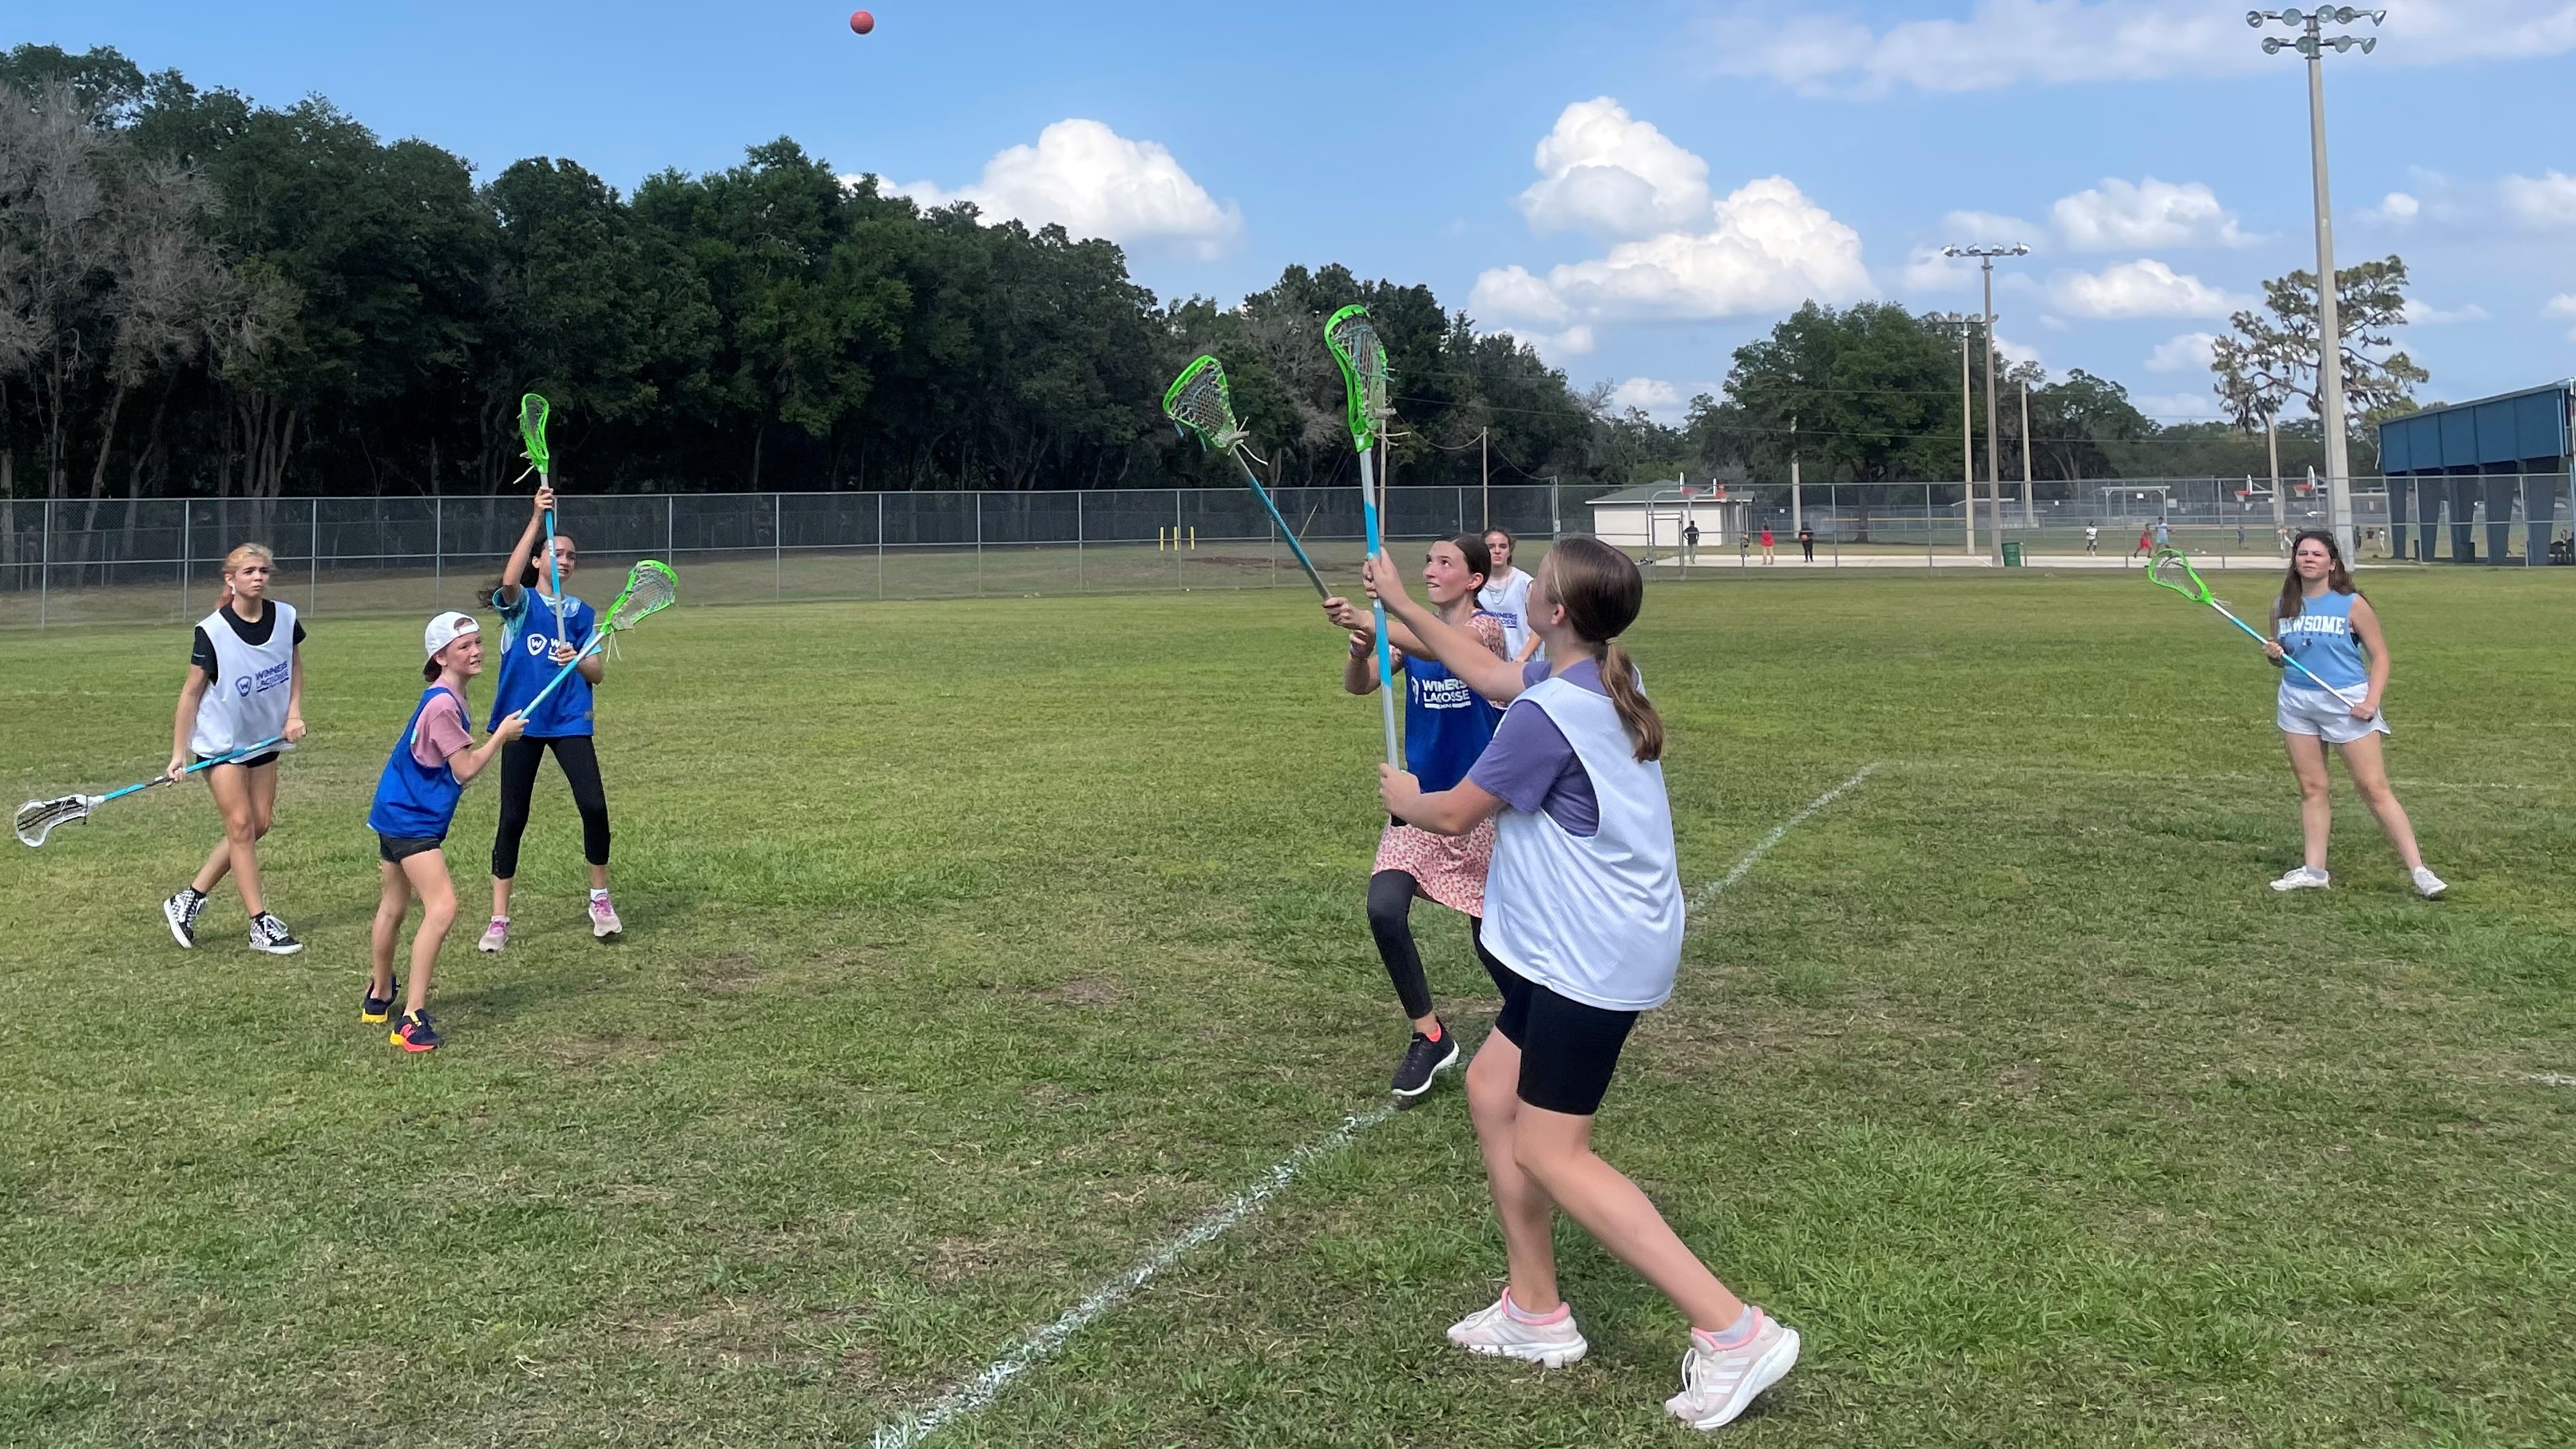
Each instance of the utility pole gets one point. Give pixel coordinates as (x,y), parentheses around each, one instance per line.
(1485,457)
(1797,511)
(2313,43)
(2029,510)
(1994,471)
(1967,439)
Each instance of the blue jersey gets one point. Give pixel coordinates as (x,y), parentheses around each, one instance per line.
(1446,724)
(415,801)
(527,661)
(2320,637)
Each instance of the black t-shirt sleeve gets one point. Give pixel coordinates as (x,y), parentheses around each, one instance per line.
(201,652)
(299,632)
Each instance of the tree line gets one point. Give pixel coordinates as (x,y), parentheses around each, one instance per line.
(205,296)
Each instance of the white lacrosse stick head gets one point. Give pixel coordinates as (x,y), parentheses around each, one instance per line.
(37,818)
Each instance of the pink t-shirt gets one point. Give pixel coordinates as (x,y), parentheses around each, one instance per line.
(441,733)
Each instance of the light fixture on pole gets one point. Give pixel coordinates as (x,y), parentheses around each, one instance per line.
(1994,468)
(2312,42)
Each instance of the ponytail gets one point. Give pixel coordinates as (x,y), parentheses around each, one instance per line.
(1602,593)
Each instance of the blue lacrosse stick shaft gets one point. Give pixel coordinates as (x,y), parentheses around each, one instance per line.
(1284,530)
(1385,652)
(554,571)
(245,752)
(598,636)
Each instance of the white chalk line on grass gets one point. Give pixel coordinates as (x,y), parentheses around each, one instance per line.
(2549,1079)
(2195,777)
(978,1393)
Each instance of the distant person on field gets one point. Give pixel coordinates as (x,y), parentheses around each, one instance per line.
(1690,541)
(2283,535)
(2164,535)
(2146,541)
(1807,543)
(1583,935)
(1506,594)
(1766,543)
(2093,539)
(2324,623)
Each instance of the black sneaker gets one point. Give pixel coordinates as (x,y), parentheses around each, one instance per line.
(1425,1059)
(373,1008)
(415,1033)
(269,934)
(181,912)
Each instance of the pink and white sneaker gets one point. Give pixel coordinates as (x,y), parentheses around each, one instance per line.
(1504,1331)
(1718,1384)
(603,917)
(495,936)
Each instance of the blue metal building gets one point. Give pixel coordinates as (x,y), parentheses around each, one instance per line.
(2493,451)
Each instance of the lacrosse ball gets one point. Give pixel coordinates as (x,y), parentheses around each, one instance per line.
(861,22)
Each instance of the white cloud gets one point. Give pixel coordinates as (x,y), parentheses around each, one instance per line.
(2190,352)
(2395,209)
(1604,172)
(1097,183)
(2143,288)
(2121,216)
(1926,270)
(2562,305)
(2547,202)
(1650,395)
(2425,314)
(1770,249)
(2047,42)
(1554,347)
(2177,406)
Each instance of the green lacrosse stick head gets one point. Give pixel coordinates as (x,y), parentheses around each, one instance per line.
(2168,568)
(1199,401)
(532,430)
(651,587)
(1355,345)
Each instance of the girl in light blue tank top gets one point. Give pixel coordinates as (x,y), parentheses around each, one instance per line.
(2329,629)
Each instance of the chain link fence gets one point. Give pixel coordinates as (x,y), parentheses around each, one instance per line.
(77,561)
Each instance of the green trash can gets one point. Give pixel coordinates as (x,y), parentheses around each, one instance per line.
(2012,554)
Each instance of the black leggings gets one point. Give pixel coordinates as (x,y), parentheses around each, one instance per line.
(1390,914)
(519,761)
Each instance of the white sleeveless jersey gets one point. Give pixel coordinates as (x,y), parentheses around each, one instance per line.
(246,700)
(1598,919)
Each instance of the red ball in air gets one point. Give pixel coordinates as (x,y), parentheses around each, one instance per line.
(861,22)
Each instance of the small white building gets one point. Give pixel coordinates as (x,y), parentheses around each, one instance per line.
(1651,516)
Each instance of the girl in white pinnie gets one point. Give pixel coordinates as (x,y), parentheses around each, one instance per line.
(1583,933)
(245,685)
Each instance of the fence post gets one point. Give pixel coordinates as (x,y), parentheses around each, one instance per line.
(437,548)
(778,545)
(1077,542)
(44,562)
(313,592)
(1555,512)
(187,548)
(880,547)
(670,526)
(1176,541)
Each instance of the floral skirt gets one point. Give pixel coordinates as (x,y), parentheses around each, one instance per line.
(1449,869)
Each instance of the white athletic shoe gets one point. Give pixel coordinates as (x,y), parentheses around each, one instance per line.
(495,935)
(1494,1331)
(1718,1386)
(2305,878)
(2429,885)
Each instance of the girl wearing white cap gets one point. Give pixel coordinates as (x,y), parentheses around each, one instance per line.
(415,801)
(245,686)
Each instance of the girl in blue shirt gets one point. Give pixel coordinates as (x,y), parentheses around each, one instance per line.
(1446,726)
(539,635)
(2326,624)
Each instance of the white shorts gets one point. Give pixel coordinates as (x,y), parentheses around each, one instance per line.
(2316,712)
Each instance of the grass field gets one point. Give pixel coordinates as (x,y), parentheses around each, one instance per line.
(978,948)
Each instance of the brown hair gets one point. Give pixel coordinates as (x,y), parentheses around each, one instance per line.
(1602,593)
(2294,589)
(528,576)
(430,670)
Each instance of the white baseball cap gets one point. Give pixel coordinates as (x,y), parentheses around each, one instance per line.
(446,629)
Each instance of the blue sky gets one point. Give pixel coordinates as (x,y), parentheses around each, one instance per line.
(1637,187)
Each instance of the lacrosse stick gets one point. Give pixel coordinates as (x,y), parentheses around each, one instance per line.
(651,587)
(532,432)
(2169,569)
(1198,401)
(37,818)
(1356,347)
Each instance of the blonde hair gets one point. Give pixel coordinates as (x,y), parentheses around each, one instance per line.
(1601,592)
(236,559)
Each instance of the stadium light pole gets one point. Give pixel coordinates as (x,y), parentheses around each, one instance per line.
(1994,467)
(2313,43)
